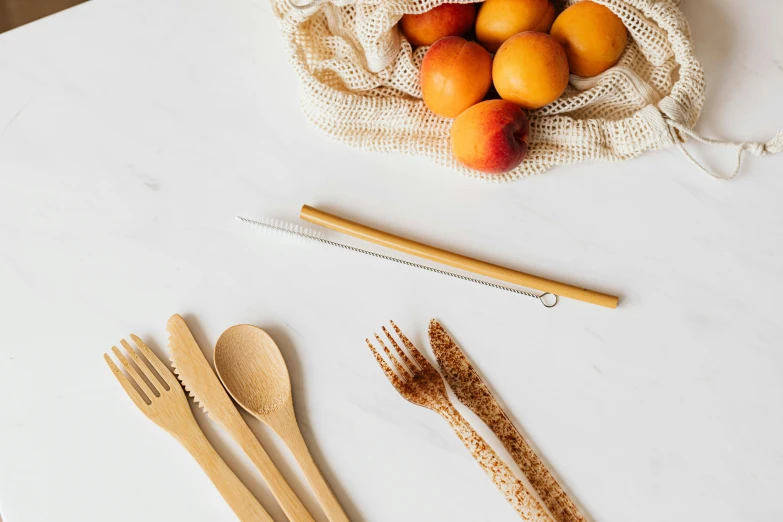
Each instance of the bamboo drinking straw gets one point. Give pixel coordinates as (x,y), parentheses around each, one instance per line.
(319,217)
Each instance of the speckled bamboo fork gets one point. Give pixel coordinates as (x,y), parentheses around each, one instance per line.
(420,383)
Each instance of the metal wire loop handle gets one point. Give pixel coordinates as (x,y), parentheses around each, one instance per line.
(550,302)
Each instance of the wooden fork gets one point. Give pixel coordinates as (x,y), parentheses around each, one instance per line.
(160,397)
(420,383)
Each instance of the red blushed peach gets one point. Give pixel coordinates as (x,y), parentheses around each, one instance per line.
(439,22)
(491,136)
(455,74)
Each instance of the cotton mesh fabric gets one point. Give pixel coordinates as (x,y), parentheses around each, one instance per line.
(360,85)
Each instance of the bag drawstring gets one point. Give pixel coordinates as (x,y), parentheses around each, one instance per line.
(756,148)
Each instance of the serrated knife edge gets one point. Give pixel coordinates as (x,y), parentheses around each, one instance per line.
(198,377)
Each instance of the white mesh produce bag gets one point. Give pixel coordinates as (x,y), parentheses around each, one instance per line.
(360,80)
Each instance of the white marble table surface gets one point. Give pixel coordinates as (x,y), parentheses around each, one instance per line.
(133,131)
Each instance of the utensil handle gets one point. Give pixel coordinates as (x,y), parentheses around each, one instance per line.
(331,506)
(292,506)
(550,491)
(521,499)
(319,217)
(235,493)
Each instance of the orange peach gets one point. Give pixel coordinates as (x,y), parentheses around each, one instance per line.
(593,37)
(455,74)
(530,69)
(499,20)
(490,137)
(439,22)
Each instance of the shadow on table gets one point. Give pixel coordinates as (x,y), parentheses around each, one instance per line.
(298,385)
(715,38)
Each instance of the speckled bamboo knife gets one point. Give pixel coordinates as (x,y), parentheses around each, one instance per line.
(420,383)
(473,393)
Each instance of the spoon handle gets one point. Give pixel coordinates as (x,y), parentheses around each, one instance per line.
(286,427)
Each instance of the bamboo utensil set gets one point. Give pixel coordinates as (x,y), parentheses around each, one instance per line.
(163,401)
(251,368)
(420,383)
(249,365)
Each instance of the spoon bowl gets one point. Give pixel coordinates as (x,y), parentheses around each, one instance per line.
(252,369)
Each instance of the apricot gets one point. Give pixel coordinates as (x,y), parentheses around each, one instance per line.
(455,74)
(593,37)
(439,22)
(499,20)
(530,69)
(491,136)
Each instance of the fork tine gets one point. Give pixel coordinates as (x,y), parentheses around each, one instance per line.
(159,366)
(143,367)
(402,368)
(134,375)
(423,363)
(393,379)
(404,356)
(140,401)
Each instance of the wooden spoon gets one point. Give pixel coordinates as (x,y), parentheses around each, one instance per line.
(253,370)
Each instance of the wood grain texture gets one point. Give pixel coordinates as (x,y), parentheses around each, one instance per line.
(254,372)
(473,393)
(420,383)
(200,381)
(319,217)
(163,402)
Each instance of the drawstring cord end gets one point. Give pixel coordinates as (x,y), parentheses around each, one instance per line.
(773,146)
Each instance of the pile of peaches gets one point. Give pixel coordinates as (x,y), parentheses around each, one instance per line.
(534,53)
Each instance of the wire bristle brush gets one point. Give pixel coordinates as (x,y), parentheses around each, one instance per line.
(277,226)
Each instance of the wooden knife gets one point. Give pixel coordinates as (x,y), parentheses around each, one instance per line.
(198,378)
